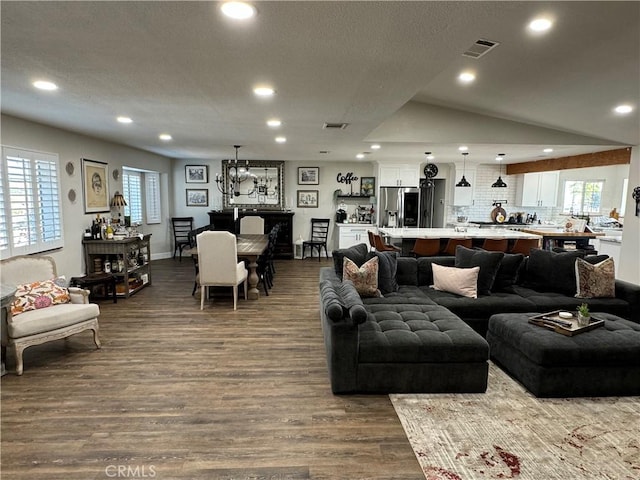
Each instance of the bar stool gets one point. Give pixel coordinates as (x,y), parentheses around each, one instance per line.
(495,244)
(383,247)
(452,243)
(426,247)
(524,245)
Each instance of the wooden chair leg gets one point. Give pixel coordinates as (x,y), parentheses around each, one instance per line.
(202,295)
(235,297)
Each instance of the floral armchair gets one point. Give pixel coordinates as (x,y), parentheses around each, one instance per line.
(43,310)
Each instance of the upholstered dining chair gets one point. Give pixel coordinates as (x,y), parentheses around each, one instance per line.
(181,228)
(252,224)
(218,264)
(319,233)
(372,240)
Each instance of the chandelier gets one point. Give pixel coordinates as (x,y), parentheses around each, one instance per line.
(236,175)
(463,181)
(499,183)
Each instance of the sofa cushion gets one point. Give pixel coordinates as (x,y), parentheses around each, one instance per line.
(357,254)
(489,263)
(597,280)
(407,271)
(364,278)
(48,319)
(549,271)
(425,270)
(387,269)
(461,281)
(507,274)
(37,295)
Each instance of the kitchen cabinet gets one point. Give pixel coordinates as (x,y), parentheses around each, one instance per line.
(133,254)
(538,190)
(351,234)
(398,176)
(463,196)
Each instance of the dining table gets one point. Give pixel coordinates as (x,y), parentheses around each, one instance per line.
(249,247)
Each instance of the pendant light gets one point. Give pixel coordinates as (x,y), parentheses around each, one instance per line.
(499,183)
(463,181)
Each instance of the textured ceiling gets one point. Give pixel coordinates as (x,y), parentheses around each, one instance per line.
(388,69)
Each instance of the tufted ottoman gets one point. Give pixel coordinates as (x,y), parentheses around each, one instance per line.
(419,348)
(601,362)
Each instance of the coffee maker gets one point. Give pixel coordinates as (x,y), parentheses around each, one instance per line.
(341,216)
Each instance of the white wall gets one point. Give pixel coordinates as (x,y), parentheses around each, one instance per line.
(71,147)
(630,250)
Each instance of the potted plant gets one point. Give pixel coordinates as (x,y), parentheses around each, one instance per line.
(584,316)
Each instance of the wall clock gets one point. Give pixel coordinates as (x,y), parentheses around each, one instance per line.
(430,170)
(115,174)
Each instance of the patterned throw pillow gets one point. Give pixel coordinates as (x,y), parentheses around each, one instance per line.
(364,278)
(36,295)
(595,281)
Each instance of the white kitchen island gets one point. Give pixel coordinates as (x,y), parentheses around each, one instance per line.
(471,232)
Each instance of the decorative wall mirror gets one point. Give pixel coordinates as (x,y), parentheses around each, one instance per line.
(261,188)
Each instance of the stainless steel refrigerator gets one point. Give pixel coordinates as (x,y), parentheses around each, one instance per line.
(431,204)
(399,207)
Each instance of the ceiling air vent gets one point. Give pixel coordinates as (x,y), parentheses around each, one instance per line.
(480,48)
(334,126)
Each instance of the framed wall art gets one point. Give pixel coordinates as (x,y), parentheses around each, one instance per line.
(307,198)
(368,186)
(196,174)
(308,175)
(197,197)
(95,185)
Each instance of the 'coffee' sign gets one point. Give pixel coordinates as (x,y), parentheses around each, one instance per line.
(348,178)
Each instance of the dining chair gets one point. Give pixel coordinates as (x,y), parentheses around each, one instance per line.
(181,228)
(426,247)
(452,243)
(383,247)
(218,264)
(495,244)
(319,233)
(524,245)
(372,241)
(252,225)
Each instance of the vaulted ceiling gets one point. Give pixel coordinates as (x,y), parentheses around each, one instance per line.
(388,69)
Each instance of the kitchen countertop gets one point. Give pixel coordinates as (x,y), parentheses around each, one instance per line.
(362,224)
(472,232)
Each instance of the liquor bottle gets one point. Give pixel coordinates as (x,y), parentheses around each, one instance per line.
(107,265)
(109,231)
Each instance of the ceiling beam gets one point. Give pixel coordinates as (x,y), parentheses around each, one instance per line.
(619,156)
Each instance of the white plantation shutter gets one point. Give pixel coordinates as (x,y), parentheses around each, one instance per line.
(132,192)
(31,209)
(152,198)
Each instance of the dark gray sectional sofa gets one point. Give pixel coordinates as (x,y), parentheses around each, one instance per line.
(417,339)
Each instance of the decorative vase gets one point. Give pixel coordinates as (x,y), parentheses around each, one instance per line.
(583,320)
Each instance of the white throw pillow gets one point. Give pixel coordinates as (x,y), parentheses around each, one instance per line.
(461,281)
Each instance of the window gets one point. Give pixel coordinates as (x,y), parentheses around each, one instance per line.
(31,219)
(132,186)
(582,196)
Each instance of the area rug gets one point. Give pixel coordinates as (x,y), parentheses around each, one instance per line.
(508,433)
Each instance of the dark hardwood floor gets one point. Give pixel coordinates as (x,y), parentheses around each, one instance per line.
(179,393)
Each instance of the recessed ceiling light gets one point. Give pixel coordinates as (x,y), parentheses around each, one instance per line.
(238,10)
(281,139)
(623,109)
(274,122)
(500,157)
(165,137)
(540,25)
(360,156)
(467,77)
(463,148)
(430,156)
(44,85)
(548,150)
(264,91)
(375,146)
(124,120)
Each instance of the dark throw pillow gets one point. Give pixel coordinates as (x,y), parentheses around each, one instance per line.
(387,268)
(489,263)
(549,271)
(508,272)
(357,254)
